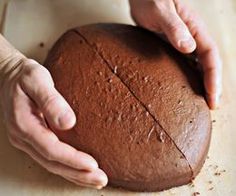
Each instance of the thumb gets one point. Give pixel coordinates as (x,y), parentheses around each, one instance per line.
(38,84)
(175,29)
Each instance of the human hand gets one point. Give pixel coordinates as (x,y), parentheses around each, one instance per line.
(187,33)
(28,100)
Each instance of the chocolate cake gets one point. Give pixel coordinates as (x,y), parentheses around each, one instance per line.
(139,105)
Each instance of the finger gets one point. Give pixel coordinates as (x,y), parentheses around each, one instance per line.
(94,178)
(44,140)
(211,65)
(173,26)
(207,53)
(83,184)
(91,179)
(38,84)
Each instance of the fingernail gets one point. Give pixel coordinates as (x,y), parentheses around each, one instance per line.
(66,120)
(213,102)
(217,101)
(99,187)
(95,186)
(101,180)
(187,44)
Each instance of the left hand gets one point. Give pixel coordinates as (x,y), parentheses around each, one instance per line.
(29,103)
(187,33)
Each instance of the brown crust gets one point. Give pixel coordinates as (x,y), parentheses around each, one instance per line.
(139,107)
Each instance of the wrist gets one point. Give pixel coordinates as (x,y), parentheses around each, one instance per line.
(8,54)
(10,58)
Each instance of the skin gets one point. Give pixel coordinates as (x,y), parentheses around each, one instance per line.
(29,98)
(186,31)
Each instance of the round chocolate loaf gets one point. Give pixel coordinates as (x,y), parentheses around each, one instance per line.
(139,105)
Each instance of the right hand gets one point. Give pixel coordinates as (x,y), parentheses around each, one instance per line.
(186,31)
(28,98)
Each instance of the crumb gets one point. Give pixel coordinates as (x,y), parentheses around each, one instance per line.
(211,188)
(191,184)
(217,173)
(214,121)
(190,121)
(208,157)
(196,193)
(29,167)
(210,182)
(223,170)
(216,166)
(41,44)
(183,86)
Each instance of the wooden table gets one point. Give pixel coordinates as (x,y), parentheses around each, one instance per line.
(28,23)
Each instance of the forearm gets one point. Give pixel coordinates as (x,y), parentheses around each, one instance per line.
(7,54)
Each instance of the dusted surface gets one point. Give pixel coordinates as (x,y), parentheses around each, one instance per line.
(119,79)
(31,20)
